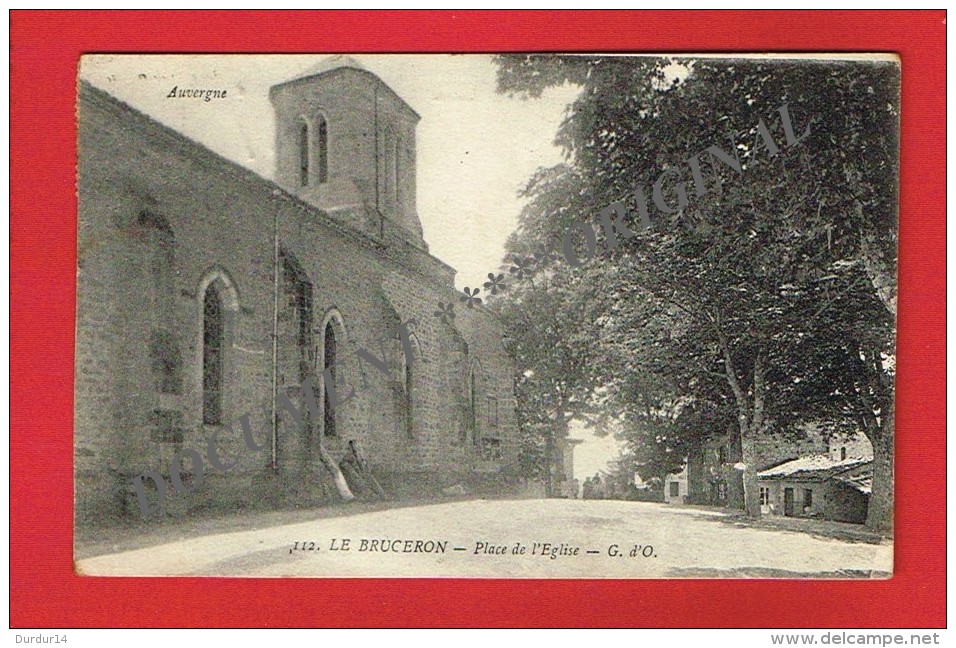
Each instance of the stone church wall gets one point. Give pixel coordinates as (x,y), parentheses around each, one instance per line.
(161,218)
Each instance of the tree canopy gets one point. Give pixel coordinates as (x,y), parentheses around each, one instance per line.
(756,282)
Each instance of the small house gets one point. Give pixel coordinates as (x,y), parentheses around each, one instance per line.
(675,487)
(832,486)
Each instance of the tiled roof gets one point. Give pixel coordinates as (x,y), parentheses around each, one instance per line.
(813,468)
(862,481)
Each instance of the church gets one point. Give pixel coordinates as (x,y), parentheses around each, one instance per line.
(206,292)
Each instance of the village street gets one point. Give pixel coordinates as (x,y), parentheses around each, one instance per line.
(560,538)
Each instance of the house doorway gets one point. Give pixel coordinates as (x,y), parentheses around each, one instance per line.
(788,502)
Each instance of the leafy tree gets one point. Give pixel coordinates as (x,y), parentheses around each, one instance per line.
(546,315)
(765,261)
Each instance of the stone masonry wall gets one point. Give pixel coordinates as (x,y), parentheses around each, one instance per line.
(140,182)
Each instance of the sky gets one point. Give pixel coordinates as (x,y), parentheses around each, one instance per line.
(594,453)
(475,147)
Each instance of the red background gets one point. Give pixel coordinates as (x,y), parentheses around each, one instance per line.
(45,50)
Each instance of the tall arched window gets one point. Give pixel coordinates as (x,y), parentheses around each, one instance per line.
(322,154)
(303,154)
(212,338)
(329,364)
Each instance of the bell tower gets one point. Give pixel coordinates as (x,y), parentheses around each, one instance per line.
(345,142)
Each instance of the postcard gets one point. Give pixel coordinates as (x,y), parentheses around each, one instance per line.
(486,316)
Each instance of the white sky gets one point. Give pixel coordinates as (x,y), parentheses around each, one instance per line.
(475,148)
(592,455)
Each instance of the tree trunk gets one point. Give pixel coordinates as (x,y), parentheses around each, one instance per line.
(695,473)
(879,514)
(880,268)
(748,448)
(560,434)
(750,425)
(549,465)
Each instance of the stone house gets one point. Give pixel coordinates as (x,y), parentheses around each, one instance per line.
(710,474)
(676,487)
(835,485)
(800,475)
(712,470)
(205,292)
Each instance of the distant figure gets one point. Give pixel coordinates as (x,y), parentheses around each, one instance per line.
(597,486)
(587,491)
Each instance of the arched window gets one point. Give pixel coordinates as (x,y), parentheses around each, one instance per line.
(322,154)
(212,339)
(304,154)
(297,313)
(329,365)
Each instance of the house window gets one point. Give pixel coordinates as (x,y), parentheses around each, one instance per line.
(212,358)
(304,154)
(323,149)
(675,489)
(807,498)
(843,453)
(764,496)
(329,366)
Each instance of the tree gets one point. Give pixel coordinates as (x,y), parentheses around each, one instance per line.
(759,254)
(545,313)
